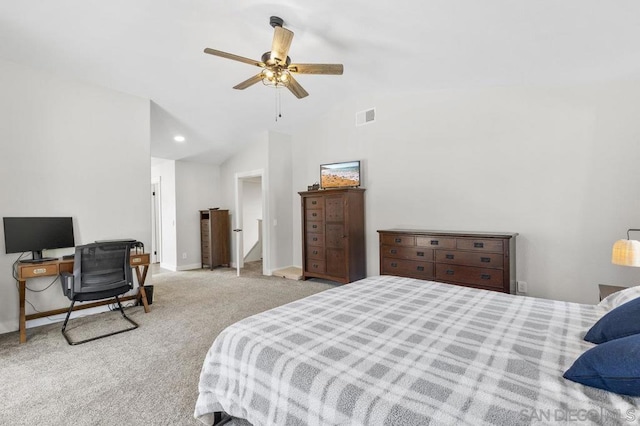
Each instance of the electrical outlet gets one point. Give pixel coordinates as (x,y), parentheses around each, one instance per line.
(184,255)
(522,287)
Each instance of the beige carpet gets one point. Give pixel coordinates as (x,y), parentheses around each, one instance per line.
(148,376)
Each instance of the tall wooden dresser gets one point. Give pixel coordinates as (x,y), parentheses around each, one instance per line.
(215,238)
(333,234)
(471,259)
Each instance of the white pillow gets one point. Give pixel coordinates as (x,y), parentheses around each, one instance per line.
(619,297)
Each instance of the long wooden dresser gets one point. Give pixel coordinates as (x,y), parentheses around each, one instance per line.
(471,259)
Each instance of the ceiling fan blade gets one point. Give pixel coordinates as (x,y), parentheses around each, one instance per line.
(282,38)
(328,69)
(234,57)
(249,82)
(295,88)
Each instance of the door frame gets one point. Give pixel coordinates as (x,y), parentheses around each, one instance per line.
(156,221)
(266,230)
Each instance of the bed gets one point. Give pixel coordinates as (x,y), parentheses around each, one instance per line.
(399,351)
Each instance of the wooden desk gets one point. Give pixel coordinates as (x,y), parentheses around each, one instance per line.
(54,268)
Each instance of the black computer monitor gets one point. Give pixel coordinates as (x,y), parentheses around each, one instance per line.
(35,234)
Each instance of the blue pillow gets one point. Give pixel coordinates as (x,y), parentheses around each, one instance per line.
(612,366)
(620,322)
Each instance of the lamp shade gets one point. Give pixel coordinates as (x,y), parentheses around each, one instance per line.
(626,252)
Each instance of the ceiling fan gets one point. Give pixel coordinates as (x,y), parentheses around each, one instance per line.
(277,67)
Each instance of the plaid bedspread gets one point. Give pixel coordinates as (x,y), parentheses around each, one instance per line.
(398,351)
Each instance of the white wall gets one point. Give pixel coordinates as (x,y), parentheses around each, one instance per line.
(69,149)
(281,194)
(253,157)
(197,188)
(557,165)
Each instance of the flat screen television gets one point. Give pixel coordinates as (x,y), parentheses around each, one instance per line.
(340,175)
(35,234)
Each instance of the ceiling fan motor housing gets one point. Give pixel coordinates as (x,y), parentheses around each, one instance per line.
(275,21)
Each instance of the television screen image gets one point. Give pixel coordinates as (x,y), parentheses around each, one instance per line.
(340,175)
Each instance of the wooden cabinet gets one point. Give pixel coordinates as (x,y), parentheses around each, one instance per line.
(333,234)
(472,259)
(215,238)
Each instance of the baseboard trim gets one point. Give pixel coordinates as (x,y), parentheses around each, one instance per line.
(189,267)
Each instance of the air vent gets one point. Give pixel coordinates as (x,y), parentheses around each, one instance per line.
(365,117)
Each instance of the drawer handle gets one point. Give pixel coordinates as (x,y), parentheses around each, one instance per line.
(315,239)
(314,214)
(420,268)
(420,253)
(449,256)
(485,259)
(314,226)
(315,252)
(435,242)
(478,245)
(315,265)
(394,251)
(485,276)
(449,272)
(398,240)
(394,265)
(314,202)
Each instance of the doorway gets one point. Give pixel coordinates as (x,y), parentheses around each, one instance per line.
(250,216)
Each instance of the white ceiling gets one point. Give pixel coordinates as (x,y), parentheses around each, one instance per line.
(154,49)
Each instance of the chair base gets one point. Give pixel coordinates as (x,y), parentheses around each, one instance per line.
(68,339)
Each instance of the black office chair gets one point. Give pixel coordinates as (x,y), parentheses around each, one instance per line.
(100,271)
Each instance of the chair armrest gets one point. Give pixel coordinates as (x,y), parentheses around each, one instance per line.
(66,280)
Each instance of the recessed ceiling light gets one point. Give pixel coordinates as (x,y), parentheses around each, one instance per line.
(179,138)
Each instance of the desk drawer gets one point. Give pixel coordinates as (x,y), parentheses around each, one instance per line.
(140,259)
(41,270)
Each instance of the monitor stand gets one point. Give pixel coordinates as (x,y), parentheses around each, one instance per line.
(41,260)
(36,257)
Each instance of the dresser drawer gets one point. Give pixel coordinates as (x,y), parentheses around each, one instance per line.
(315,265)
(410,253)
(315,215)
(483,260)
(316,240)
(487,245)
(398,240)
(313,203)
(470,275)
(315,227)
(435,242)
(407,268)
(315,252)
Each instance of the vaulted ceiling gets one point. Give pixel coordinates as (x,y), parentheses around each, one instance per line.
(154,49)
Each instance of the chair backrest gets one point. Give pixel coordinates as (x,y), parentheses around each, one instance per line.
(102,267)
